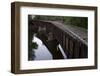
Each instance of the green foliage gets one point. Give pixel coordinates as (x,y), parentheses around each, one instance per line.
(76,21)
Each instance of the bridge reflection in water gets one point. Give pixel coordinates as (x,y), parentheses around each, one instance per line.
(45,50)
(47,41)
(42,52)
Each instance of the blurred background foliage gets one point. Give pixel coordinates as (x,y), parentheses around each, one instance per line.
(67,20)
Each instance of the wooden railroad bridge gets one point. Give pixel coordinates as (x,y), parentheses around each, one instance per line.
(72,39)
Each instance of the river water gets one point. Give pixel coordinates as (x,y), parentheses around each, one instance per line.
(41,52)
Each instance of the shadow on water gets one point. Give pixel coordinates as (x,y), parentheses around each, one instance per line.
(40,47)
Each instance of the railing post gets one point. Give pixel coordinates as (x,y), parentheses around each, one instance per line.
(83,51)
(76,49)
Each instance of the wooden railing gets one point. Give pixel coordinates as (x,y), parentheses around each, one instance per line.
(73,45)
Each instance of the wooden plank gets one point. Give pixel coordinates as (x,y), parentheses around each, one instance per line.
(70,48)
(83,51)
(76,49)
(67,43)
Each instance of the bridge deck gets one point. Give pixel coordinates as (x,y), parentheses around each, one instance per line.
(74,31)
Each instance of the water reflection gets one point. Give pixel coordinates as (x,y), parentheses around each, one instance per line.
(41,53)
(42,46)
